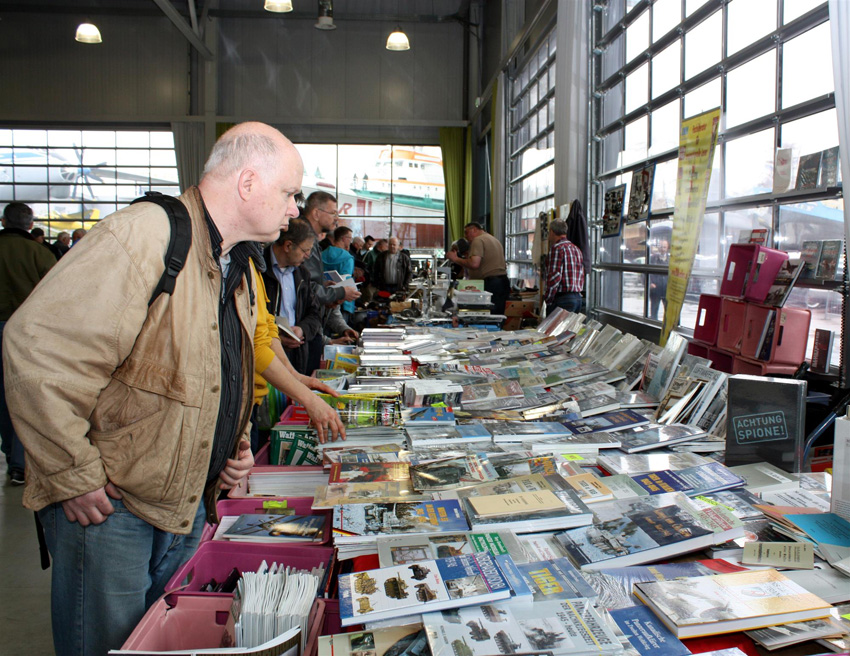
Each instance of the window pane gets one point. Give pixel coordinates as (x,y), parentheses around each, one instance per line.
(665,128)
(703,45)
(664,185)
(612,58)
(132,139)
(666,67)
(634,242)
(811,134)
(748,21)
(709,256)
(634,293)
(636,141)
(800,79)
(610,283)
(32,138)
(692,5)
(612,104)
(792,9)
(825,306)
(740,223)
(703,98)
(637,36)
(806,221)
(751,90)
(612,147)
(749,164)
(666,14)
(696,285)
(614,11)
(64,138)
(637,85)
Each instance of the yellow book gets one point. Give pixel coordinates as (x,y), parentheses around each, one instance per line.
(589,488)
(494,505)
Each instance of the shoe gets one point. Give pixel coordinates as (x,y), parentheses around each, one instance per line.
(17,477)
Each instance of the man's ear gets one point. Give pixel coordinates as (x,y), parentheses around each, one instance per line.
(246,183)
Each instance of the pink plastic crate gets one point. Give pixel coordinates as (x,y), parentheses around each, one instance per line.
(182,620)
(750,271)
(759,368)
(755,320)
(261,457)
(708,319)
(254,505)
(216,559)
(316,624)
(721,360)
(295,415)
(698,349)
(730,329)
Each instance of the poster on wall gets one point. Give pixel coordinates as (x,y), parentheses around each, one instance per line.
(612,217)
(697,139)
(640,194)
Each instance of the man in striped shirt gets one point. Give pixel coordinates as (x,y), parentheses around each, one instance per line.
(566,271)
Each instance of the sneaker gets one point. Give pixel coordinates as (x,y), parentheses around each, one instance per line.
(17,477)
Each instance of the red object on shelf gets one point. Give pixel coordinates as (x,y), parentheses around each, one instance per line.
(789,338)
(730,330)
(295,415)
(750,271)
(721,360)
(743,365)
(216,559)
(708,319)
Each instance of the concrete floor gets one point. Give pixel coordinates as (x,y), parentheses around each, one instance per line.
(24,586)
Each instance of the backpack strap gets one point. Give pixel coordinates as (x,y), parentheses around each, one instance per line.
(179,243)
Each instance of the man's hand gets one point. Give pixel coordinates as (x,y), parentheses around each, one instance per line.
(316,384)
(453,256)
(92,507)
(352,334)
(351,293)
(237,468)
(290,343)
(342,341)
(325,420)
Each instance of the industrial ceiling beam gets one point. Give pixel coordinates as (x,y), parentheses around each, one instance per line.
(184,27)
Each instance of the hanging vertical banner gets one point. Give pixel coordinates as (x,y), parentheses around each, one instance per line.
(697,140)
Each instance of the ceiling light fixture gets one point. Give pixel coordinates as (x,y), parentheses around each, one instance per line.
(325,20)
(398,40)
(88,33)
(278,6)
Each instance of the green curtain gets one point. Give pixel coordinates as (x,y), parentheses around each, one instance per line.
(456,146)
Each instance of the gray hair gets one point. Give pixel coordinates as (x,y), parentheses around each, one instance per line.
(558,227)
(18,215)
(233,151)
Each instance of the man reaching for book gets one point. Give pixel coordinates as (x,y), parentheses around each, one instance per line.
(134,407)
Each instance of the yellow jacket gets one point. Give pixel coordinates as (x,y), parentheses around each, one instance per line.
(265,332)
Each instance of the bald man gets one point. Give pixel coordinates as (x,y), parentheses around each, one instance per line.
(142,418)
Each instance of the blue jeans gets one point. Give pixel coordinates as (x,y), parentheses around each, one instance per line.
(11,445)
(569,301)
(105,577)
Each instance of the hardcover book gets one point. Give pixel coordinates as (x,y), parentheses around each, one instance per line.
(830,258)
(640,463)
(657,436)
(609,422)
(451,473)
(277,528)
(406,640)
(446,435)
(612,217)
(402,590)
(829,166)
(640,194)
(337,494)
(556,579)
(822,351)
(766,421)
(712,477)
(808,171)
(351,523)
(662,482)
(784,283)
(724,603)
(810,255)
(369,472)
(647,634)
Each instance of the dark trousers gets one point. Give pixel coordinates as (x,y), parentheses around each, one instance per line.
(500,288)
(314,353)
(569,301)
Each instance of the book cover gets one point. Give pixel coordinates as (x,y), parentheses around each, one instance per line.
(442,516)
(276,528)
(446,435)
(559,627)
(822,351)
(657,436)
(640,463)
(608,422)
(499,505)
(556,579)
(784,282)
(612,217)
(829,166)
(764,349)
(518,431)
(662,482)
(782,170)
(337,494)
(830,258)
(451,473)
(668,360)
(429,416)
(405,640)
(647,634)
(808,171)
(723,603)
(809,256)
(402,590)
(369,472)
(590,488)
(640,194)
(712,477)
(766,421)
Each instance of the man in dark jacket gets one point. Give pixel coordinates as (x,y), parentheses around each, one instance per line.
(392,268)
(290,295)
(23,262)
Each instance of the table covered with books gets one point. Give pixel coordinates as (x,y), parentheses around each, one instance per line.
(565,490)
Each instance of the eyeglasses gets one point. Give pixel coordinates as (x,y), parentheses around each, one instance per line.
(336,214)
(306,251)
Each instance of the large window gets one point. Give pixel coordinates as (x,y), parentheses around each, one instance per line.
(531,148)
(382,190)
(767,64)
(73,178)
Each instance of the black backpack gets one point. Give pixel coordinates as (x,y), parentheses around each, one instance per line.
(178,245)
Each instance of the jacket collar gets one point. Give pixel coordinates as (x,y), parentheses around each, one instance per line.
(8,232)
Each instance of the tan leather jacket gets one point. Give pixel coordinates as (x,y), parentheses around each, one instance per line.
(100,388)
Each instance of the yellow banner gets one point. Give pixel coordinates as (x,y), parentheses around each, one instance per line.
(697,139)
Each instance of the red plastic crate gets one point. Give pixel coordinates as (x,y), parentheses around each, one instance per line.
(295,415)
(743,365)
(254,505)
(182,621)
(708,319)
(324,620)
(730,329)
(216,559)
(261,457)
(790,335)
(750,271)
(755,320)
(721,360)
(698,349)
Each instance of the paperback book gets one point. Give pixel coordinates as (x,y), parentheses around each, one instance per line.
(446,435)
(405,640)
(403,590)
(353,523)
(646,633)
(369,472)
(277,528)
(657,436)
(609,422)
(452,473)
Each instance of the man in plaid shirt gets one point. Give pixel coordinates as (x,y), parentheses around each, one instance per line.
(566,271)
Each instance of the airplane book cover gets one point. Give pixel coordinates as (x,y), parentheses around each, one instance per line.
(371,519)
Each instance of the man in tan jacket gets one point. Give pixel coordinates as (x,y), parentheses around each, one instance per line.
(134,417)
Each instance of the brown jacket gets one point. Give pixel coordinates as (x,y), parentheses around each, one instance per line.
(100,388)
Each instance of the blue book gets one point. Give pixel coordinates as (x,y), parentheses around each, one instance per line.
(608,422)
(353,521)
(556,579)
(661,482)
(647,634)
(429,416)
(421,587)
(446,435)
(708,478)
(823,528)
